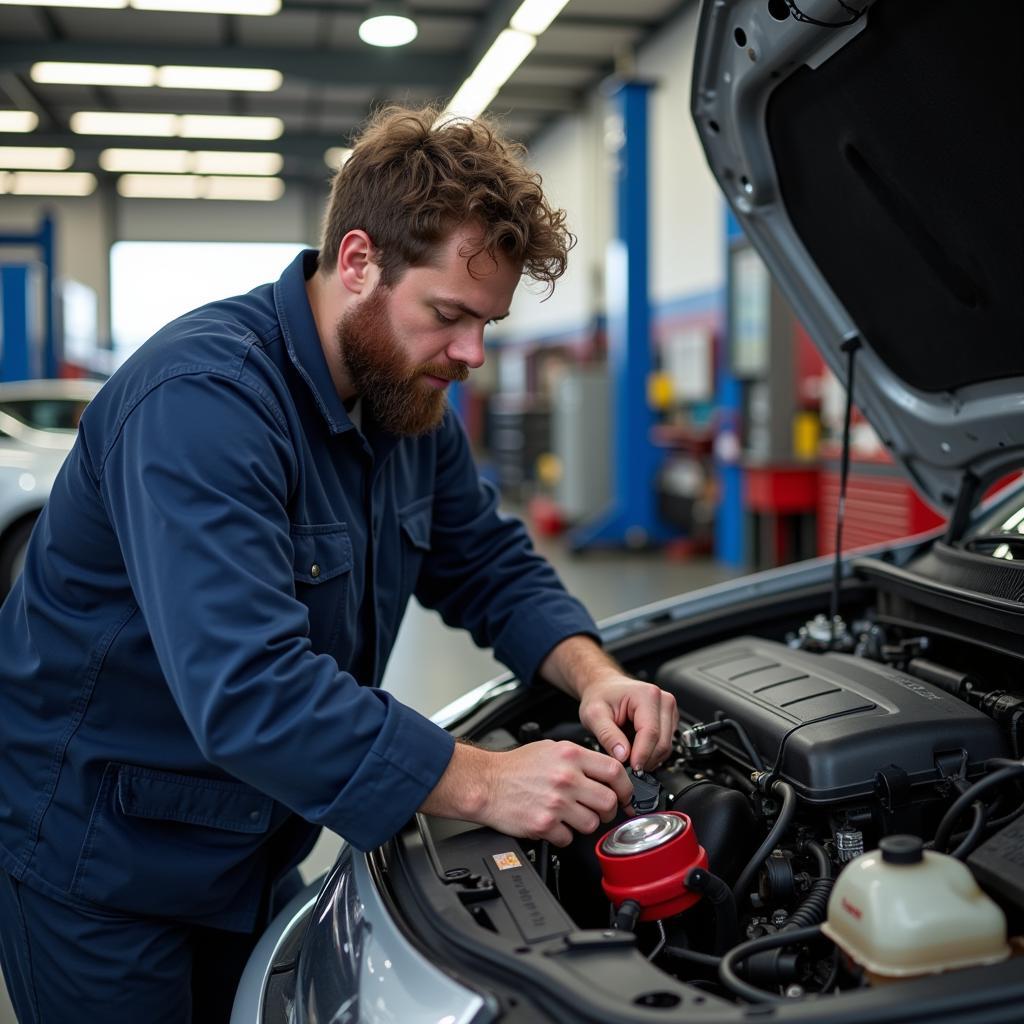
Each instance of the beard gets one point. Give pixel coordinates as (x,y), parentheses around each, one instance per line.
(398,396)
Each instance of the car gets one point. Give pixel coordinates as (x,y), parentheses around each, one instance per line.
(38,424)
(839,832)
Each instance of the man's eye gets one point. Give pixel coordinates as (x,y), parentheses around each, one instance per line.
(441,318)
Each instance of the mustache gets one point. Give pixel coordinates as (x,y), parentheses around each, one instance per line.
(444,371)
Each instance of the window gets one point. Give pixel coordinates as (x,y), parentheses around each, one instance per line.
(152,283)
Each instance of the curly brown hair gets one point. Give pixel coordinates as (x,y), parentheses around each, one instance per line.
(412,178)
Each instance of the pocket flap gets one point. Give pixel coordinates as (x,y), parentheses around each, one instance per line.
(320,552)
(415,522)
(167,796)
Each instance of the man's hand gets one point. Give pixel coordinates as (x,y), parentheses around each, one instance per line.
(609,700)
(543,790)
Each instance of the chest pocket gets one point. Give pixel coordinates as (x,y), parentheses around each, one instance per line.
(322,567)
(415,521)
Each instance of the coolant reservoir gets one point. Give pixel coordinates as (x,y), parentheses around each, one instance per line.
(901,911)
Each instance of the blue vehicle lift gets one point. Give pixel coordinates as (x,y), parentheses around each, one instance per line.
(632,518)
(16,361)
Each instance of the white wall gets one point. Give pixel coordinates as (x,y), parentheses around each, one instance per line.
(687,220)
(572,161)
(686,211)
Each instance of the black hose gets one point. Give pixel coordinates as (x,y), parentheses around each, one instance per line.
(727,968)
(812,909)
(821,858)
(720,896)
(729,723)
(782,822)
(974,834)
(1007,770)
(703,959)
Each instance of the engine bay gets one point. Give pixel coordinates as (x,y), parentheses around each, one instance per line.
(813,770)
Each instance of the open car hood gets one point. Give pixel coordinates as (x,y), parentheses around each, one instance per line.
(875,164)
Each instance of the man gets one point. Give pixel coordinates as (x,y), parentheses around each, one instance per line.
(191,658)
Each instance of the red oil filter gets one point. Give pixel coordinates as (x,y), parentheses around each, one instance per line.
(646,859)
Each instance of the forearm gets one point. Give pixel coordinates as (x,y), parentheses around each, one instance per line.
(462,790)
(576,663)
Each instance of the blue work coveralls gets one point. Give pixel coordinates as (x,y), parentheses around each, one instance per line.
(190,661)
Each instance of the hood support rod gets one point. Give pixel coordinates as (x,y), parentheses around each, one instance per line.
(850,346)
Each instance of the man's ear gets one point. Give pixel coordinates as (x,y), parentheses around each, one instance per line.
(356,269)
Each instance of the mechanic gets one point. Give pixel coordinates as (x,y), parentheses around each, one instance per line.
(191,658)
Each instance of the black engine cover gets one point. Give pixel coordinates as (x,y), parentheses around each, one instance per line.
(832,720)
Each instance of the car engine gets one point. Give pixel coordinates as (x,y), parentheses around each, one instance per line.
(794,758)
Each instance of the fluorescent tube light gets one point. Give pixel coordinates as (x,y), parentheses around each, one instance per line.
(163,161)
(336,157)
(190,126)
(18,121)
(217,162)
(158,186)
(191,186)
(104,122)
(232,79)
(496,66)
(109,5)
(37,158)
(252,7)
(216,126)
(55,183)
(53,72)
(246,189)
(534,16)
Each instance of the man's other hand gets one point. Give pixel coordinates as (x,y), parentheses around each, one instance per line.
(610,700)
(544,790)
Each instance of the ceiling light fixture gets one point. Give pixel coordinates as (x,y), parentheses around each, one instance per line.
(53,72)
(182,161)
(388,24)
(109,5)
(160,161)
(219,162)
(231,79)
(219,126)
(190,186)
(336,157)
(18,121)
(496,66)
(250,7)
(37,158)
(261,8)
(148,75)
(188,126)
(51,183)
(534,16)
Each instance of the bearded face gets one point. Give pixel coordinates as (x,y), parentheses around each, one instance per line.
(405,399)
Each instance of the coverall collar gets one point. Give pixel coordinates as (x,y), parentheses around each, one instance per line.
(303,341)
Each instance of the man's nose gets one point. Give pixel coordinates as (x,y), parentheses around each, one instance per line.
(468,347)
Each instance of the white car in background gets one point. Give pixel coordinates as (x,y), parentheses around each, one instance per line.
(38,425)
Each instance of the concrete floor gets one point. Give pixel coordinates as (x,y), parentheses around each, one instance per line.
(432,664)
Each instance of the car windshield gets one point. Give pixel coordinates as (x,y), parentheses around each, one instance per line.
(61,414)
(1001,532)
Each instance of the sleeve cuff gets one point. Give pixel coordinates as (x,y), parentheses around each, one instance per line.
(535,630)
(404,764)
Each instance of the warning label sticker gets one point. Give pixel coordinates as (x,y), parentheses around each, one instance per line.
(506,861)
